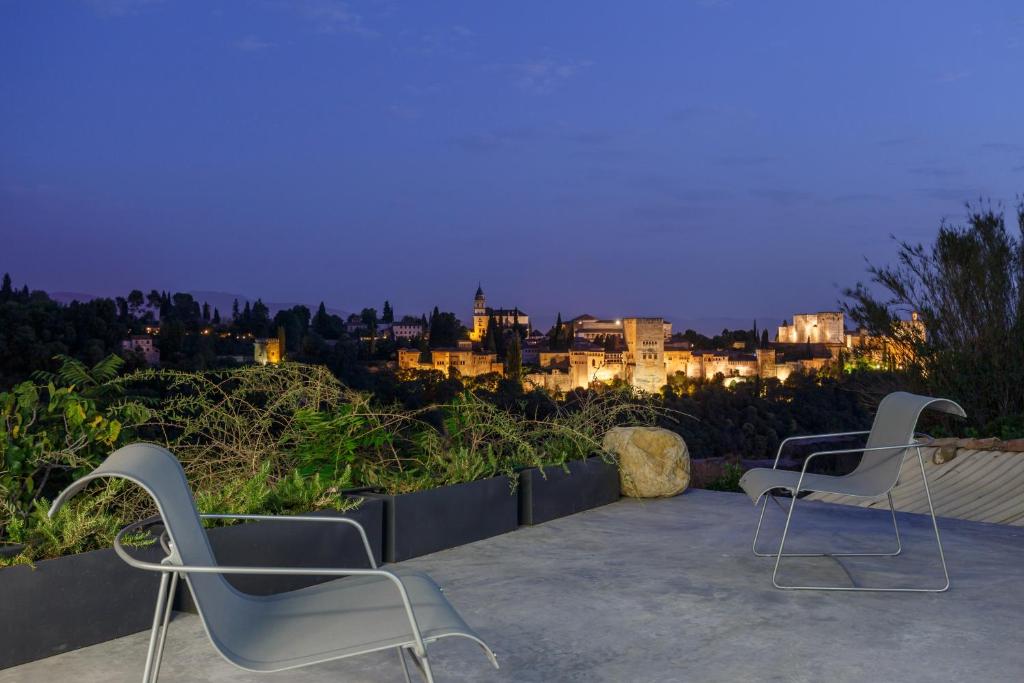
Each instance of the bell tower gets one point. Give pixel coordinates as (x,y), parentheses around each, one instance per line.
(479,315)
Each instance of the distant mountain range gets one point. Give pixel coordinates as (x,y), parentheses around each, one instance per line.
(709,325)
(219,300)
(224,300)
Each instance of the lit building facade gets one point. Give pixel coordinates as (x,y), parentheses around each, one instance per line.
(462,359)
(144,344)
(828,327)
(267,350)
(504,317)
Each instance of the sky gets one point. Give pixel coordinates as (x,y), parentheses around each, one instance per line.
(706,161)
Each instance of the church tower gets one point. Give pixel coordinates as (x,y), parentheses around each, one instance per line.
(479,315)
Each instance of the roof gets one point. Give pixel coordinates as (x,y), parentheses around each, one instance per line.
(479,290)
(976,485)
(506,312)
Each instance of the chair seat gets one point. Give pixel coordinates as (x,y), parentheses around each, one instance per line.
(332,620)
(761,480)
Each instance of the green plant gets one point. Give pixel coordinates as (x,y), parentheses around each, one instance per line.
(50,435)
(729,479)
(85,523)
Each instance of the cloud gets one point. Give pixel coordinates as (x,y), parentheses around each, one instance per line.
(333,16)
(451,40)
(950,194)
(543,76)
(121,8)
(897,142)
(676,189)
(251,43)
(935,171)
(403,112)
(952,76)
(781,196)
(1002,147)
(694,112)
(859,197)
(497,138)
(591,137)
(749,160)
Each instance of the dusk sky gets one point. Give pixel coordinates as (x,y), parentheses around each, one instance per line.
(697,160)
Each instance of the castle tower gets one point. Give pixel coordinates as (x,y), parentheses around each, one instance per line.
(645,353)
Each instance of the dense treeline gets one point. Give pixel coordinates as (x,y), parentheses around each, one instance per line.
(34,329)
(968,289)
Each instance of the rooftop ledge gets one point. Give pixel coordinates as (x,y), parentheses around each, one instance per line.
(667,590)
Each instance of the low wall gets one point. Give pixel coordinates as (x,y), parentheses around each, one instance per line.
(981,480)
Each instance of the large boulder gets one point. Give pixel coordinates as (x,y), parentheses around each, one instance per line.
(653,462)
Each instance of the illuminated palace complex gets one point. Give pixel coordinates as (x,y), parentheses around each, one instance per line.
(642,352)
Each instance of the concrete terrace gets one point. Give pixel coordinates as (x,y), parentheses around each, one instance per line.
(667,590)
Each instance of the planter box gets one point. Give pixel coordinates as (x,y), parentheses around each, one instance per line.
(71,602)
(556,493)
(427,521)
(293,544)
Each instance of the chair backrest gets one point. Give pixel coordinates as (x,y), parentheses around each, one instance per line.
(156,470)
(895,425)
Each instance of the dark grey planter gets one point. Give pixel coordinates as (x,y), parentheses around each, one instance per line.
(71,602)
(424,522)
(293,544)
(557,493)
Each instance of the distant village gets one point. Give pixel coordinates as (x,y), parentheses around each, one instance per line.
(642,352)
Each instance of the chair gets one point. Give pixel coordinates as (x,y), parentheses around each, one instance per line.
(371,610)
(889,441)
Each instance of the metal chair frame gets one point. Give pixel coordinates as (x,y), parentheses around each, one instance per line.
(892,509)
(172,568)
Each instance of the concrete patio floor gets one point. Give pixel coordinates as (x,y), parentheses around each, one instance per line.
(668,590)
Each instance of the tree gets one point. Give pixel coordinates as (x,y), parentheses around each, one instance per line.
(388,316)
(514,359)
(206,312)
(216,316)
(6,290)
(764,338)
(967,288)
(136,300)
(444,329)
(234,310)
(557,337)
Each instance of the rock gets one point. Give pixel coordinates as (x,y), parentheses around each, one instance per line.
(653,462)
(944,454)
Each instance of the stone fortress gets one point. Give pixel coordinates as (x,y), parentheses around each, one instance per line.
(642,353)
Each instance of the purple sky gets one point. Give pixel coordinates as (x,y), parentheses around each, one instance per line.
(694,159)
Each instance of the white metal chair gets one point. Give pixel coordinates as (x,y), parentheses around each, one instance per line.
(891,438)
(371,610)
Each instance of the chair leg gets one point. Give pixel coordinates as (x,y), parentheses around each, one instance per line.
(405,665)
(427,673)
(422,664)
(935,524)
(895,526)
(159,657)
(938,541)
(154,636)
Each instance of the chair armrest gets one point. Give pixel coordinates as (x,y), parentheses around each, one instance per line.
(172,563)
(841,451)
(302,518)
(785,441)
